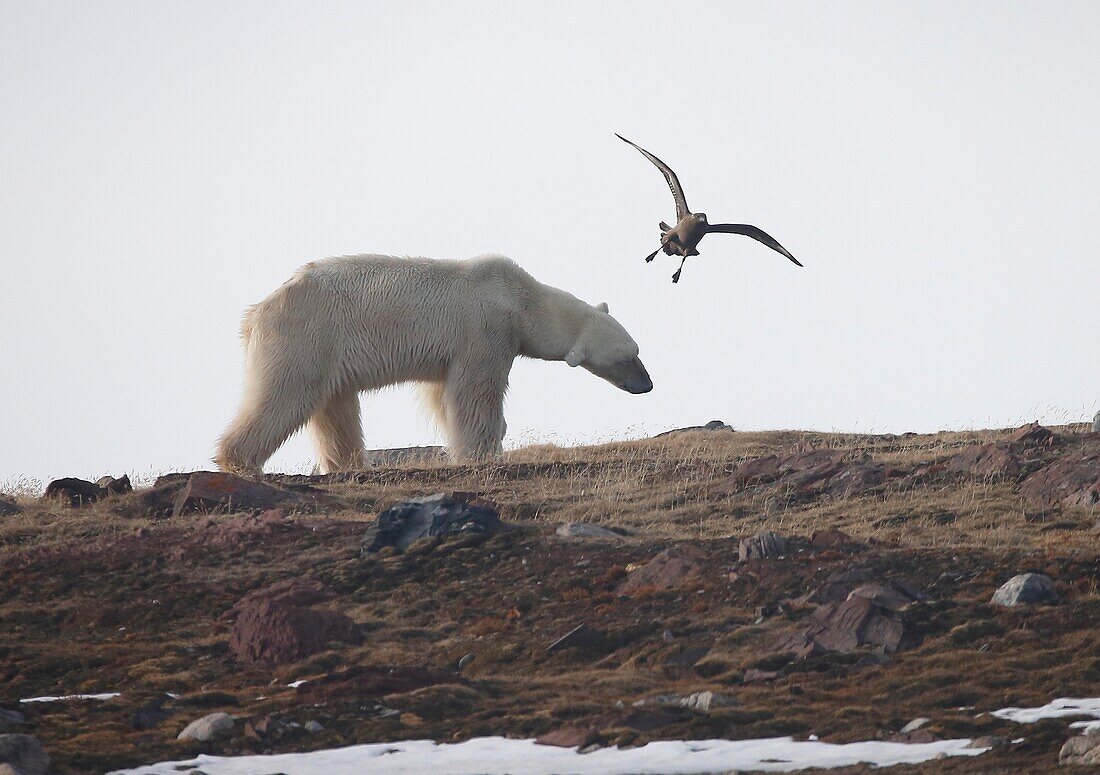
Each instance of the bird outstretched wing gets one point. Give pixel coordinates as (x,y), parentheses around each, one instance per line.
(670,178)
(751,231)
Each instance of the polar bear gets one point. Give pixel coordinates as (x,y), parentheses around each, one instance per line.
(344,325)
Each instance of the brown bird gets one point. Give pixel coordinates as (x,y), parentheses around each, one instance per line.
(690,228)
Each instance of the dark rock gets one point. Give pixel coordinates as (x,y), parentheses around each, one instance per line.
(276,625)
(582,636)
(115,486)
(767,544)
(809,472)
(891,595)
(24,753)
(77,492)
(8,508)
(856,479)
(676,566)
(371,681)
(440,514)
(569,737)
(761,469)
(10,718)
(713,425)
(150,715)
(754,675)
(1026,588)
(209,490)
(1072,482)
(839,584)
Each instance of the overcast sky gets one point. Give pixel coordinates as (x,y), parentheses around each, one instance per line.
(935,166)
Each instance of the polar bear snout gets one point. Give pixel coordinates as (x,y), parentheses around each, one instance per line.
(629,375)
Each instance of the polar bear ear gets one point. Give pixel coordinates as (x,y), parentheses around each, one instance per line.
(574,357)
(602,306)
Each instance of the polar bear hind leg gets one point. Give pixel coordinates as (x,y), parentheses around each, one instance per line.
(337,432)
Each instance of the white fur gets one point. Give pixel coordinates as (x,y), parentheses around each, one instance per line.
(345,325)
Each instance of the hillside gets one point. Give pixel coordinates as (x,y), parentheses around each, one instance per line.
(121,596)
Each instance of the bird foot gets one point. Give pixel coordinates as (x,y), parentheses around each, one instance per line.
(676,277)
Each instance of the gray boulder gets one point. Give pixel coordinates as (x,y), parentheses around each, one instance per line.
(766,544)
(1083,749)
(208,727)
(1096,423)
(1025,589)
(9,718)
(24,754)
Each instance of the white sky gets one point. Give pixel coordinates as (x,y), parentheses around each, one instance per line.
(934,165)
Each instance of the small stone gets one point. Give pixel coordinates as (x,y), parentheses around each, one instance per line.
(987,741)
(568,737)
(313,727)
(752,675)
(208,727)
(585,530)
(766,544)
(24,754)
(465,661)
(914,725)
(1026,588)
(1096,423)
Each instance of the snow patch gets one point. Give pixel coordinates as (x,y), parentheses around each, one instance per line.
(1059,708)
(65,697)
(500,756)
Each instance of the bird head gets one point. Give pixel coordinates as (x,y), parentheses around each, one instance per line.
(701,218)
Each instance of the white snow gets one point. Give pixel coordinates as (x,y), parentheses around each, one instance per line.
(65,697)
(498,755)
(299,682)
(1059,708)
(1086,727)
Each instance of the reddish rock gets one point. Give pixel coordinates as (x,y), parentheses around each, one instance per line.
(988,461)
(276,625)
(569,737)
(1033,435)
(207,490)
(672,568)
(809,472)
(1072,482)
(856,479)
(760,469)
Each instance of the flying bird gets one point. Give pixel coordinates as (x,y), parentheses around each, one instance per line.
(690,228)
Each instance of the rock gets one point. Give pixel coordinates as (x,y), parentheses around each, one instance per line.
(1033,435)
(997,460)
(313,727)
(8,508)
(440,514)
(7,769)
(713,425)
(761,469)
(1096,423)
(582,636)
(753,675)
(24,754)
(1071,482)
(870,618)
(674,567)
(1026,588)
(856,479)
(10,718)
(585,530)
(207,490)
(569,737)
(150,715)
(767,544)
(832,538)
(276,625)
(987,741)
(77,492)
(114,486)
(914,725)
(891,595)
(208,727)
(1082,749)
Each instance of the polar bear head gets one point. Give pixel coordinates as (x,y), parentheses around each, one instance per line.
(608,351)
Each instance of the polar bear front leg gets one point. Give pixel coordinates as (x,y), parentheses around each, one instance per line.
(338,434)
(473,397)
